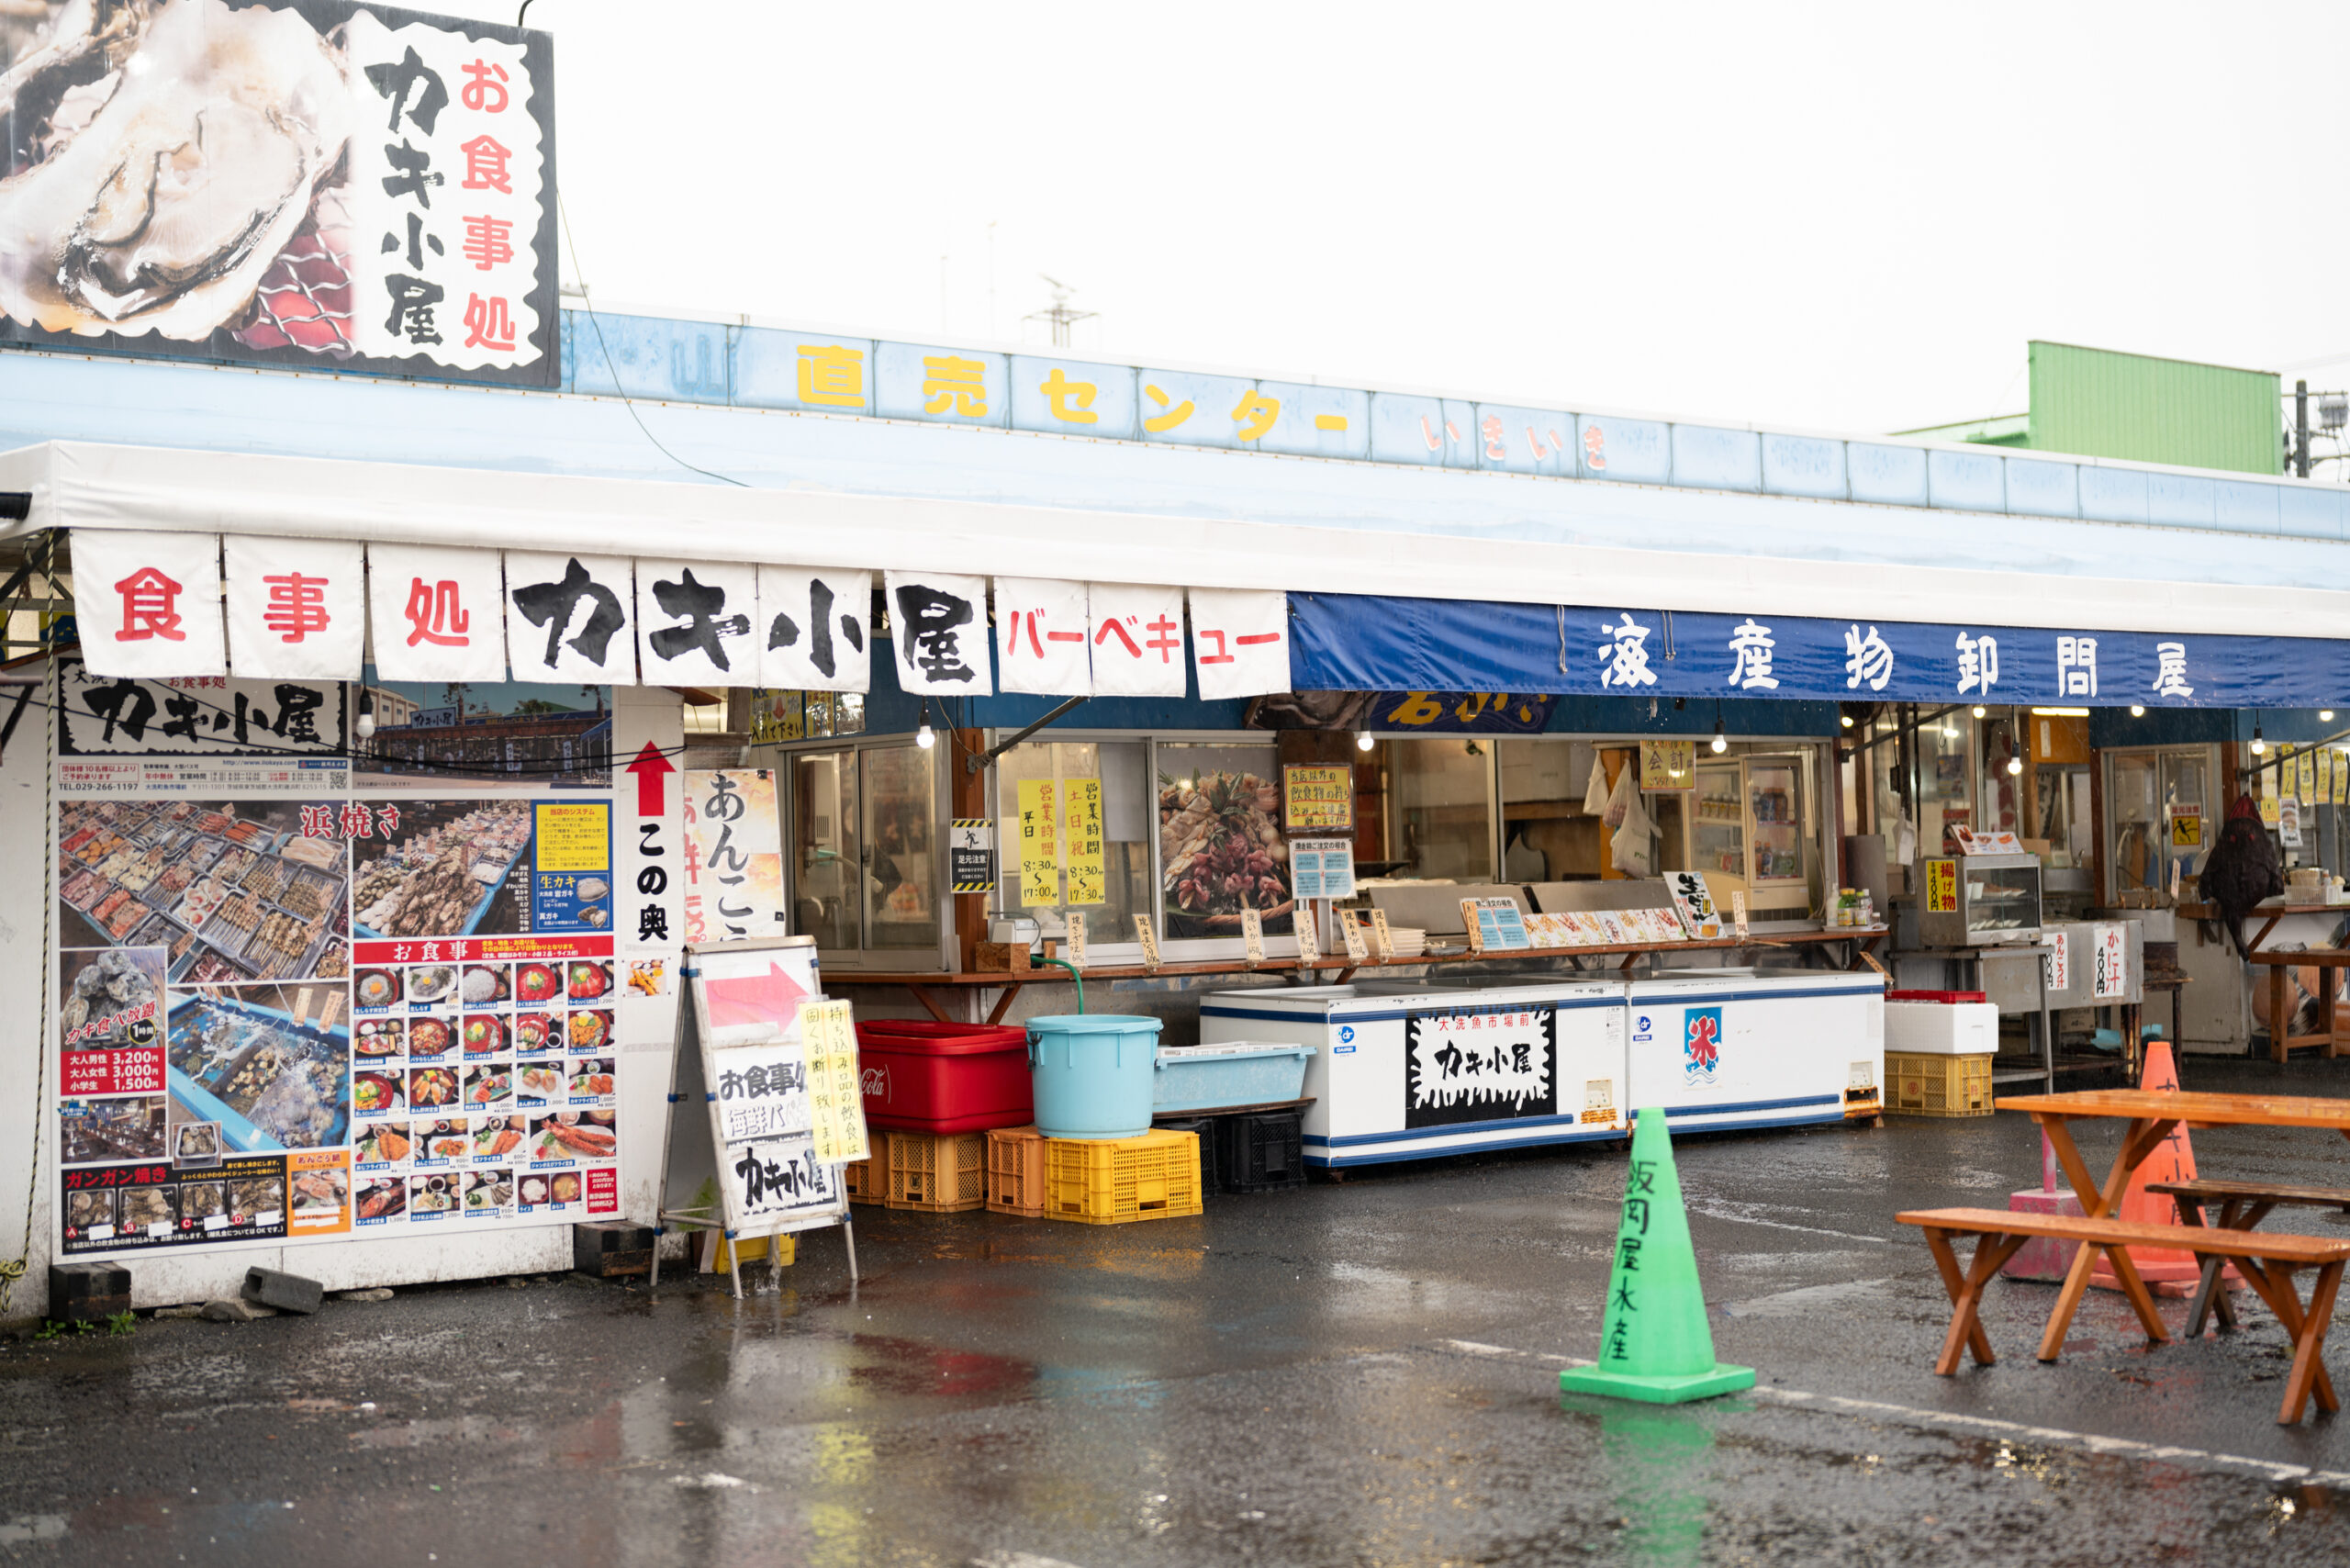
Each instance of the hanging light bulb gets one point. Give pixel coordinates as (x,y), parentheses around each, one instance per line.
(2015,765)
(1980,711)
(925,736)
(2325,715)
(366,726)
(1363,741)
(1721,741)
(2137,710)
(1845,719)
(2259,747)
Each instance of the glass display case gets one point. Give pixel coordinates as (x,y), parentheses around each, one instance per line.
(1718,822)
(1774,795)
(1976,900)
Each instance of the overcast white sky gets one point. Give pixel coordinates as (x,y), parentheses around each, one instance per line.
(1850,217)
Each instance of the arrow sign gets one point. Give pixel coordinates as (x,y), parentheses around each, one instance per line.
(771,998)
(651,769)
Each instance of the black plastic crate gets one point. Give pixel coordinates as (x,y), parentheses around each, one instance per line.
(1262,1151)
(1204,1128)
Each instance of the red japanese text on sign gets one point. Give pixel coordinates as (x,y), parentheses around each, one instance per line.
(149,608)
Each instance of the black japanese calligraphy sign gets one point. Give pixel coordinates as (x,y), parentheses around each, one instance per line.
(378,191)
(1480,1064)
(202,716)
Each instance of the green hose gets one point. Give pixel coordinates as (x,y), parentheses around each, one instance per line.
(1074,974)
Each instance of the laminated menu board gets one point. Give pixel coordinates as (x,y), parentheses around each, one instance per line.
(306,993)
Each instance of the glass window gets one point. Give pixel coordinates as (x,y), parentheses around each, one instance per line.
(1220,846)
(1122,883)
(825,847)
(902,848)
(1437,808)
(2146,791)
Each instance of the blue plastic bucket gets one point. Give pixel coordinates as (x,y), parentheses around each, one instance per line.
(1094,1074)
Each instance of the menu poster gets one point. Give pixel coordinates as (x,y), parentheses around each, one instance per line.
(1350,933)
(2288,822)
(1694,901)
(292,1006)
(2305,777)
(1495,924)
(1668,765)
(1252,935)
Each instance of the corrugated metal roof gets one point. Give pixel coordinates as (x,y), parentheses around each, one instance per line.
(2099,403)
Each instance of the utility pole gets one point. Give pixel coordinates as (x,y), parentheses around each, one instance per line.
(1060,313)
(2300,429)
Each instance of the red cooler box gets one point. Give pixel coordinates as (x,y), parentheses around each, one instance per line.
(944,1077)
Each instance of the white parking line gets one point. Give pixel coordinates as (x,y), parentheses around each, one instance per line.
(1796,1398)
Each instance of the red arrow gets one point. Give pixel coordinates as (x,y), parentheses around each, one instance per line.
(771,998)
(651,768)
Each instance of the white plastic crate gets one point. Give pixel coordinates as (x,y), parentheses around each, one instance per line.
(1941,1028)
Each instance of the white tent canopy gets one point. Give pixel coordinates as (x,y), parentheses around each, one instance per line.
(92,486)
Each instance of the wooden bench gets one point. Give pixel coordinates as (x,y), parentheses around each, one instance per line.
(2242,1205)
(2267,1261)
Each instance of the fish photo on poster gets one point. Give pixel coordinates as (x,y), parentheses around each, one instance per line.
(216,180)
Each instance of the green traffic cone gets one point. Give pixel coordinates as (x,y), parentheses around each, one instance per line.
(1658,1345)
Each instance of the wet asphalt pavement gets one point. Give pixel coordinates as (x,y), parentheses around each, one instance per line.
(1354,1373)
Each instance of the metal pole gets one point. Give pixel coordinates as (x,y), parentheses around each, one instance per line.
(2302,430)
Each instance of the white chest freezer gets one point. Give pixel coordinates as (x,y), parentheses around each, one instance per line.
(1410,1070)
(1730,1048)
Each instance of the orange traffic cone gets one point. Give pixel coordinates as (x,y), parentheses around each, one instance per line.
(2167,1271)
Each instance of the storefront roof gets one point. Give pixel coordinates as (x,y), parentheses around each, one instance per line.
(125,443)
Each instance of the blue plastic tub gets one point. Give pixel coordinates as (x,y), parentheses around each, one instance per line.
(1093,1073)
(1208,1078)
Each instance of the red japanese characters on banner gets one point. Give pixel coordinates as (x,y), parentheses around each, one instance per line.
(149,603)
(1042,637)
(1137,643)
(296,607)
(1240,641)
(440,615)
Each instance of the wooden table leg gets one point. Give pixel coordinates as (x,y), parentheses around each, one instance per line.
(2326,980)
(2308,1340)
(2273,1282)
(2280,1020)
(1966,1295)
(922,995)
(1003,1003)
(2192,1213)
(2138,1140)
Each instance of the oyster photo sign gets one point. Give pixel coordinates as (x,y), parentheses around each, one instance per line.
(308,183)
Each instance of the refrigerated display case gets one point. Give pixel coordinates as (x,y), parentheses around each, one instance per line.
(1750,825)
(1720,1048)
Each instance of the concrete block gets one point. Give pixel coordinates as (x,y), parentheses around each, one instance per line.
(87,1293)
(611,1249)
(287,1292)
(230,1310)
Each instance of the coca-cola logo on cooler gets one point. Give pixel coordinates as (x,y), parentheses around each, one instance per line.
(875,1083)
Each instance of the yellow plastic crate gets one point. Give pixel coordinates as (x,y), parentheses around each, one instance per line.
(1922,1085)
(1119,1180)
(940,1173)
(867,1180)
(1016,1172)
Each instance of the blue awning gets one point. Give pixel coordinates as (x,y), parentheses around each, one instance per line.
(1360,643)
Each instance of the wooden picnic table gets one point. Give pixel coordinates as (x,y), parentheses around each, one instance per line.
(2152,1115)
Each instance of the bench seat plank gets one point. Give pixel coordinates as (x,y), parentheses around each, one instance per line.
(2261,1192)
(2267,1261)
(2302,1251)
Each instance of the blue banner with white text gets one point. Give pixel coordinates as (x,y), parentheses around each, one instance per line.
(1367,642)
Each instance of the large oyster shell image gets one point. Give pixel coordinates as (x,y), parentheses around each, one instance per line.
(174,150)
